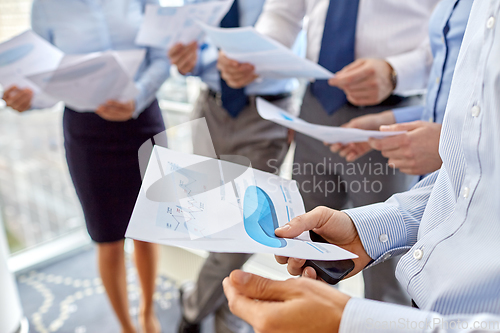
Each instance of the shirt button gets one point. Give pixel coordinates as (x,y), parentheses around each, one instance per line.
(442,39)
(491,22)
(466,192)
(431,119)
(383,238)
(438,79)
(476,110)
(418,254)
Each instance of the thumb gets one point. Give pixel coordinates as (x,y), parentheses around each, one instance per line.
(309,221)
(400,127)
(257,287)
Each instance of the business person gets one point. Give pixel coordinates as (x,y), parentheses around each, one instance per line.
(379,50)
(235,129)
(447,224)
(416,152)
(102,146)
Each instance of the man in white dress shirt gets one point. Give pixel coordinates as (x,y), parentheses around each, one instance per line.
(449,223)
(379,50)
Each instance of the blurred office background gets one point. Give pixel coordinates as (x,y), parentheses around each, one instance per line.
(44,224)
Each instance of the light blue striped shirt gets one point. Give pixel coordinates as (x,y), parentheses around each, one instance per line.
(206,68)
(449,224)
(85,26)
(446,31)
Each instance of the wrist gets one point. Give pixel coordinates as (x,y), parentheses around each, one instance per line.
(393,76)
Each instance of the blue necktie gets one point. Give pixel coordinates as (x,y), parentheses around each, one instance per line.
(337,50)
(233,100)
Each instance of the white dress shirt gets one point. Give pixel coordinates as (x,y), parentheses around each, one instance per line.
(395,30)
(449,224)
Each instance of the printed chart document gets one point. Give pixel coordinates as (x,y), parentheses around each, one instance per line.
(216,205)
(328,134)
(270,58)
(165,26)
(84,82)
(24,55)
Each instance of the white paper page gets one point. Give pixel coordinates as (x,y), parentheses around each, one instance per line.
(165,26)
(261,202)
(24,55)
(130,60)
(85,85)
(281,64)
(270,58)
(328,134)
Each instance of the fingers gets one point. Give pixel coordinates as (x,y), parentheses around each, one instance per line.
(281,260)
(235,74)
(310,273)
(402,127)
(390,143)
(184,57)
(18,99)
(244,307)
(295,266)
(309,221)
(353,75)
(257,287)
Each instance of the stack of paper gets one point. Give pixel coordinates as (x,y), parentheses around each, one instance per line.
(328,134)
(165,26)
(208,204)
(270,58)
(84,82)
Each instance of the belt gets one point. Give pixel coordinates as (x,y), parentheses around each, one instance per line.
(270,98)
(392,100)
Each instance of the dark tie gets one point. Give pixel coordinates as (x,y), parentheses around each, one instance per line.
(337,50)
(233,100)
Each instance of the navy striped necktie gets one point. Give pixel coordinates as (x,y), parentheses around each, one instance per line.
(337,50)
(233,100)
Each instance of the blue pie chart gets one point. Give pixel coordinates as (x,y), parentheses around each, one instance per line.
(259,217)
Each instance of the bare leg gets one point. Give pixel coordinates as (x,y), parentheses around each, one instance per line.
(111,257)
(146,261)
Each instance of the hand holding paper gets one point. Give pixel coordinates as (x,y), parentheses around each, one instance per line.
(202,203)
(270,58)
(85,82)
(327,134)
(21,56)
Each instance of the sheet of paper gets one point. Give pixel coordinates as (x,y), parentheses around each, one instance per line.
(165,26)
(328,134)
(202,203)
(270,58)
(84,82)
(24,55)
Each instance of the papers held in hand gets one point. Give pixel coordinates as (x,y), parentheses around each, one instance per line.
(328,134)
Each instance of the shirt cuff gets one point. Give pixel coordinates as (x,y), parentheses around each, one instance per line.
(362,315)
(407,114)
(382,230)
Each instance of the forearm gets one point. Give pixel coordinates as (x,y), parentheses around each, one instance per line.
(150,81)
